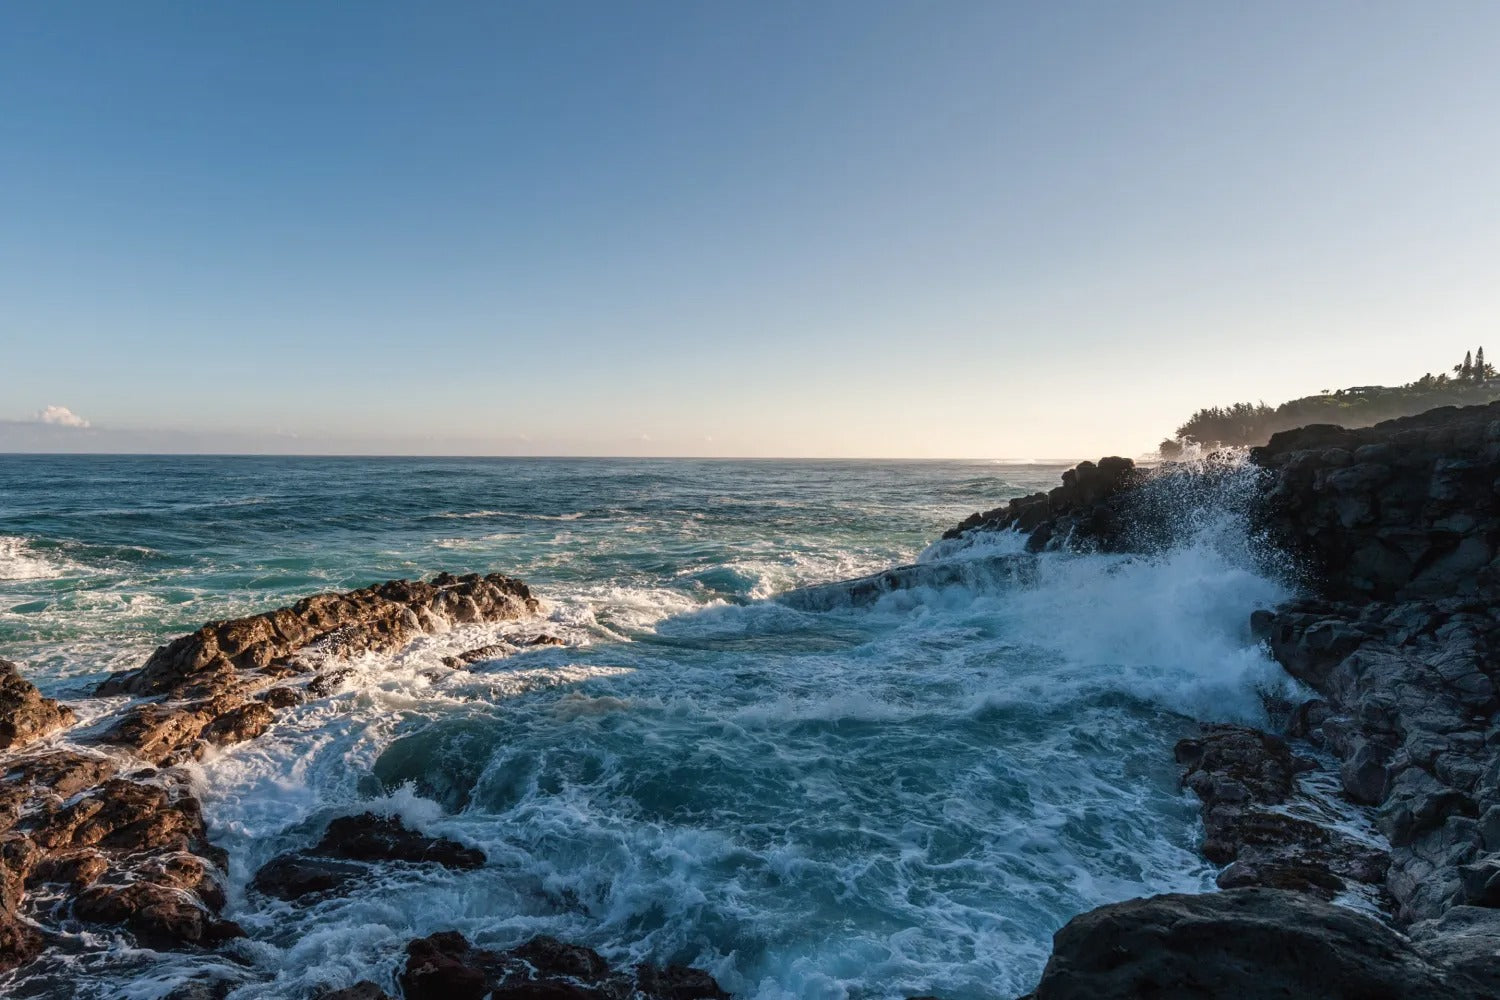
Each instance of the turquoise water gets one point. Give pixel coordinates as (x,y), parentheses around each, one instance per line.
(868,800)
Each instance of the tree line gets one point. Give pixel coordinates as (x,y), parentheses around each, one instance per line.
(1471,381)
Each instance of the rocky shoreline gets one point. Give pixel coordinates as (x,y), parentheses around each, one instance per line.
(105,830)
(1394,530)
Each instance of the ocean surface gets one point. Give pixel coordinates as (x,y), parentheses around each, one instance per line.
(806,796)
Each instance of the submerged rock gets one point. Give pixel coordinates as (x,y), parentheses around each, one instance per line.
(1250,944)
(369,837)
(363,838)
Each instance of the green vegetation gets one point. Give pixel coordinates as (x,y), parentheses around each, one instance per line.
(1242,424)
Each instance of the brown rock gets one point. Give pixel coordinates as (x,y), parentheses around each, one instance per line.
(24,714)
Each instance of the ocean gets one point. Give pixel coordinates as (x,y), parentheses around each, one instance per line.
(807,797)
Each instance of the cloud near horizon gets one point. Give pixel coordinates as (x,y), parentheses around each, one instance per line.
(60,416)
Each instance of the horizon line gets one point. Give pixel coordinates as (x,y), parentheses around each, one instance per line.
(620,458)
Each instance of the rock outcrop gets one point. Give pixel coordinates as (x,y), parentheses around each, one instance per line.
(446,966)
(1395,532)
(364,838)
(1250,944)
(1082,510)
(1407,509)
(1245,779)
(24,714)
(110,827)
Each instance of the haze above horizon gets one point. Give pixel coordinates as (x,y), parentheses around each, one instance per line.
(849,229)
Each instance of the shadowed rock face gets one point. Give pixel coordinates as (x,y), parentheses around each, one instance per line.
(446,967)
(1396,529)
(1082,508)
(366,837)
(125,842)
(1244,777)
(1249,944)
(1405,509)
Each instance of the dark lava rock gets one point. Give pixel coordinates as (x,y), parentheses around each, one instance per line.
(127,846)
(446,967)
(364,838)
(1080,508)
(1249,944)
(368,837)
(293,876)
(24,714)
(1242,776)
(157,915)
(382,617)
(362,990)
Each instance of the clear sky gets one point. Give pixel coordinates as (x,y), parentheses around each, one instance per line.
(834,228)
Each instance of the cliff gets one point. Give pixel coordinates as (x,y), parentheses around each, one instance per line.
(1394,531)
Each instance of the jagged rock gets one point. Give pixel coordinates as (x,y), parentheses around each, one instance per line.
(1243,777)
(293,876)
(678,982)
(157,915)
(382,617)
(364,838)
(369,837)
(1419,522)
(24,714)
(1078,508)
(1251,944)
(1466,939)
(445,966)
(469,657)
(127,846)
(362,990)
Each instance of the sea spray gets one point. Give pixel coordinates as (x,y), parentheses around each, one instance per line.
(881,798)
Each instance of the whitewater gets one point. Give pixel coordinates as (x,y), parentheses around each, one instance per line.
(738,761)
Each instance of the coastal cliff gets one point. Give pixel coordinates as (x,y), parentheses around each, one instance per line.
(1392,530)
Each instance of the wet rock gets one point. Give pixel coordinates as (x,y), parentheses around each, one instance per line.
(382,617)
(678,982)
(1243,777)
(24,714)
(446,967)
(362,990)
(1244,943)
(156,915)
(369,837)
(127,845)
(469,657)
(1080,508)
(294,876)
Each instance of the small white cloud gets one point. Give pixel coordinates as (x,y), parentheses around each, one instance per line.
(60,416)
(645,437)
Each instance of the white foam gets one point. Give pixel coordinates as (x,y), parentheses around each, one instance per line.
(19,560)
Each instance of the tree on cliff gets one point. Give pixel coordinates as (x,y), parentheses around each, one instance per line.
(1465,371)
(1483,371)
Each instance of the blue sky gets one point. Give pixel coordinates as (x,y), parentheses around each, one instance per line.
(866,229)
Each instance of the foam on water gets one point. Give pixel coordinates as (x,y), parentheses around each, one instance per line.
(809,797)
(19,560)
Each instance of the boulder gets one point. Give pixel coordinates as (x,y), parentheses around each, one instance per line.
(1250,944)
(24,714)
